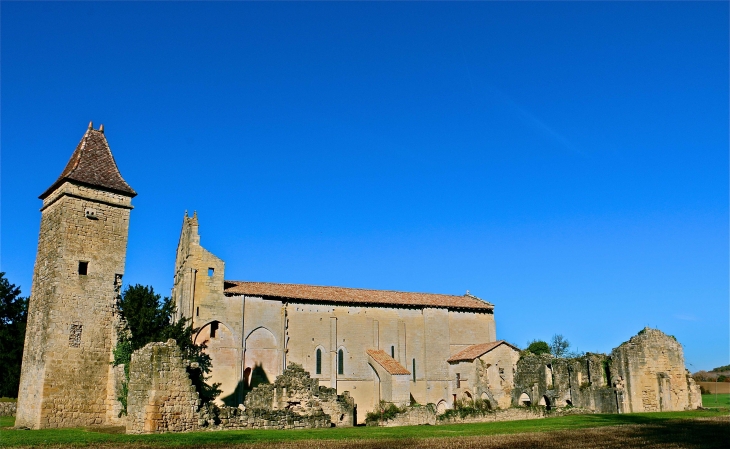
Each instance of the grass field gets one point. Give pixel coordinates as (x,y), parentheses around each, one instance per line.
(691,429)
(720,400)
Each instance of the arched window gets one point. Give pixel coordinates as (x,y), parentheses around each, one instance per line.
(319,361)
(340,362)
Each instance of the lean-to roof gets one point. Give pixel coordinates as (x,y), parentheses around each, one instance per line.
(471,352)
(388,363)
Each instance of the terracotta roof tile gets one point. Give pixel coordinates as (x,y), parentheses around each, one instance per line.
(388,363)
(357,296)
(472,352)
(93,164)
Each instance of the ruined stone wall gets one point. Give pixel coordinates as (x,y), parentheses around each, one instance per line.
(161,396)
(295,391)
(72,316)
(650,375)
(8,408)
(646,373)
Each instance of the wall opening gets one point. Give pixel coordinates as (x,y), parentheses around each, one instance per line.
(83,268)
(414,370)
(524,400)
(392,351)
(545,402)
(211,271)
(341,362)
(197,311)
(74,335)
(213,329)
(458,380)
(318,369)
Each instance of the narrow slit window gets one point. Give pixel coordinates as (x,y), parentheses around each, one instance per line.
(197,311)
(211,271)
(319,361)
(83,268)
(392,351)
(213,328)
(341,362)
(414,370)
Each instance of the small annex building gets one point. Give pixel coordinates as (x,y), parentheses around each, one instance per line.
(378,345)
(485,371)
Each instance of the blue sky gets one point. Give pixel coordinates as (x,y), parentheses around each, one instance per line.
(566,161)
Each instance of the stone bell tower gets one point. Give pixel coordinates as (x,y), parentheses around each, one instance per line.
(66,378)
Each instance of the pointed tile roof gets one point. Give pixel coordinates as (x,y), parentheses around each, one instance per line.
(471,352)
(93,164)
(388,363)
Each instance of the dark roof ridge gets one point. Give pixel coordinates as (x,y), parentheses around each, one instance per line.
(92,163)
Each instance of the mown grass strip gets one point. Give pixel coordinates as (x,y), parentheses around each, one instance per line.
(91,437)
(716,400)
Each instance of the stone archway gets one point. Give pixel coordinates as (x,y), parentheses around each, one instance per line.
(545,402)
(261,357)
(524,400)
(223,349)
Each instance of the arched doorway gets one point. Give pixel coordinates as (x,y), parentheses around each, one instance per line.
(545,402)
(524,400)
(441,407)
(261,357)
(223,349)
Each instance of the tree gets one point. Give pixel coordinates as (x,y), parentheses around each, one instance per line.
(13,316)
(559,346)
(538,347)
(149,318)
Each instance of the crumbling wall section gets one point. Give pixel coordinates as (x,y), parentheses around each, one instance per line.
(161,396)
(649,374)
(8,408)
(296,391)
(645,374)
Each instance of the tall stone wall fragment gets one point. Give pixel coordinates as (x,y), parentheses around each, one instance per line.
(161,396)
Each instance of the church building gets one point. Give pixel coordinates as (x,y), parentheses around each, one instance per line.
(378,345)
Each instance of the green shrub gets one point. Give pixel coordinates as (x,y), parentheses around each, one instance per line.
(464,408)
(385,412)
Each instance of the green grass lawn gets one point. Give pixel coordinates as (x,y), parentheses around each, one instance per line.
(720,400)
(87,437)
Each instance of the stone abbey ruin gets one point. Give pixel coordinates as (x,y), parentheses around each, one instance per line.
(286,355)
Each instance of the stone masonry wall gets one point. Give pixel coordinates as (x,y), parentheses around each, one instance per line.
(647,373)
(72,316)
(161,396)
(296,391)
(650,375)
(7,408)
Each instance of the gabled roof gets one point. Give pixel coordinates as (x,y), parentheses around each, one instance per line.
(472,352)
(355,296)
(388,363)
(92,164)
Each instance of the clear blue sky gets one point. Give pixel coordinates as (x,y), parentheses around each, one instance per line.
(566,161)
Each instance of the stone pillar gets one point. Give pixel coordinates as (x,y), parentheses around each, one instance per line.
(333,352)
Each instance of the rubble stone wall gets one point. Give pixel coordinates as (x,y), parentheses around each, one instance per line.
(647,373)
(7,408)
(161,396)
(650,375)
